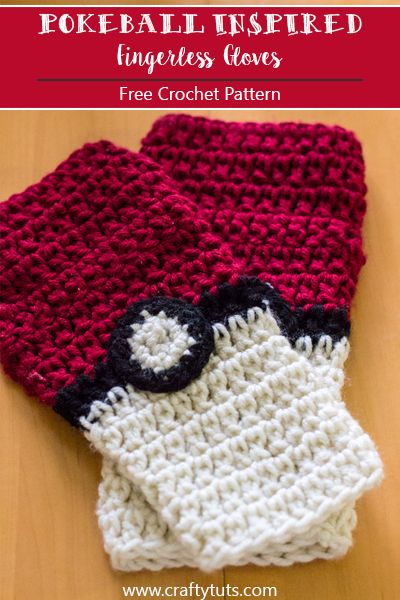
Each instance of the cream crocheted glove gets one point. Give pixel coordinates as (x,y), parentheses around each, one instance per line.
(136,538)
(254,453)
(203,361)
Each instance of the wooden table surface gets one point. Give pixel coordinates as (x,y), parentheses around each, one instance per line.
(50,546)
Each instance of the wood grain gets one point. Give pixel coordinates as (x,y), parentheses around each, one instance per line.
(50,546)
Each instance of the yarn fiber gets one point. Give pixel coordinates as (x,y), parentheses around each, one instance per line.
(188,150)
(288,198)
(105,229)
(136,538)
(256,452)
(195,327)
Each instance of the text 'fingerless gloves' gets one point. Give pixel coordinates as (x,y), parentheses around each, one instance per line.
(188,309)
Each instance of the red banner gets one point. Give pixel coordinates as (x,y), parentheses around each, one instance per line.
(199,57)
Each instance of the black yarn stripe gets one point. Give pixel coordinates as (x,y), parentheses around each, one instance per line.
(250,292)
(75,400)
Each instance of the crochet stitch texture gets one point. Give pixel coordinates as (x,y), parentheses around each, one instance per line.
(196,330)
(136,537)
(223,167)
(261,443)
(288,198)
(105,229)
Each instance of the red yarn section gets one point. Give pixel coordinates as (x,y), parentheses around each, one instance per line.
(105,229)
(287,198)
(108,227)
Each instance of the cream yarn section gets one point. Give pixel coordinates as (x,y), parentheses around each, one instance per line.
(159,342)
(255,453)
(136,538)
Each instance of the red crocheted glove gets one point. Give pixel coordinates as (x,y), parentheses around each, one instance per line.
(104,230)
(287,198)
(215,393)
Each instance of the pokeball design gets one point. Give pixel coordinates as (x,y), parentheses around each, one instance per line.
(223,408)
(161,344)
(227,409)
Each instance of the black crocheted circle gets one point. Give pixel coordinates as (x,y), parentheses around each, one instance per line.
(190,364)
(118,368)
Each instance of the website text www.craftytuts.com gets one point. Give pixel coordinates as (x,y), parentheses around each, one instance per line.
(194,590)
(212,94)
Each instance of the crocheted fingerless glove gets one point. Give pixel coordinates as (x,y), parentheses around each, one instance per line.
(127,537)
(288,199)
(134,534)
(217,402)
(303,178)
(79,249)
